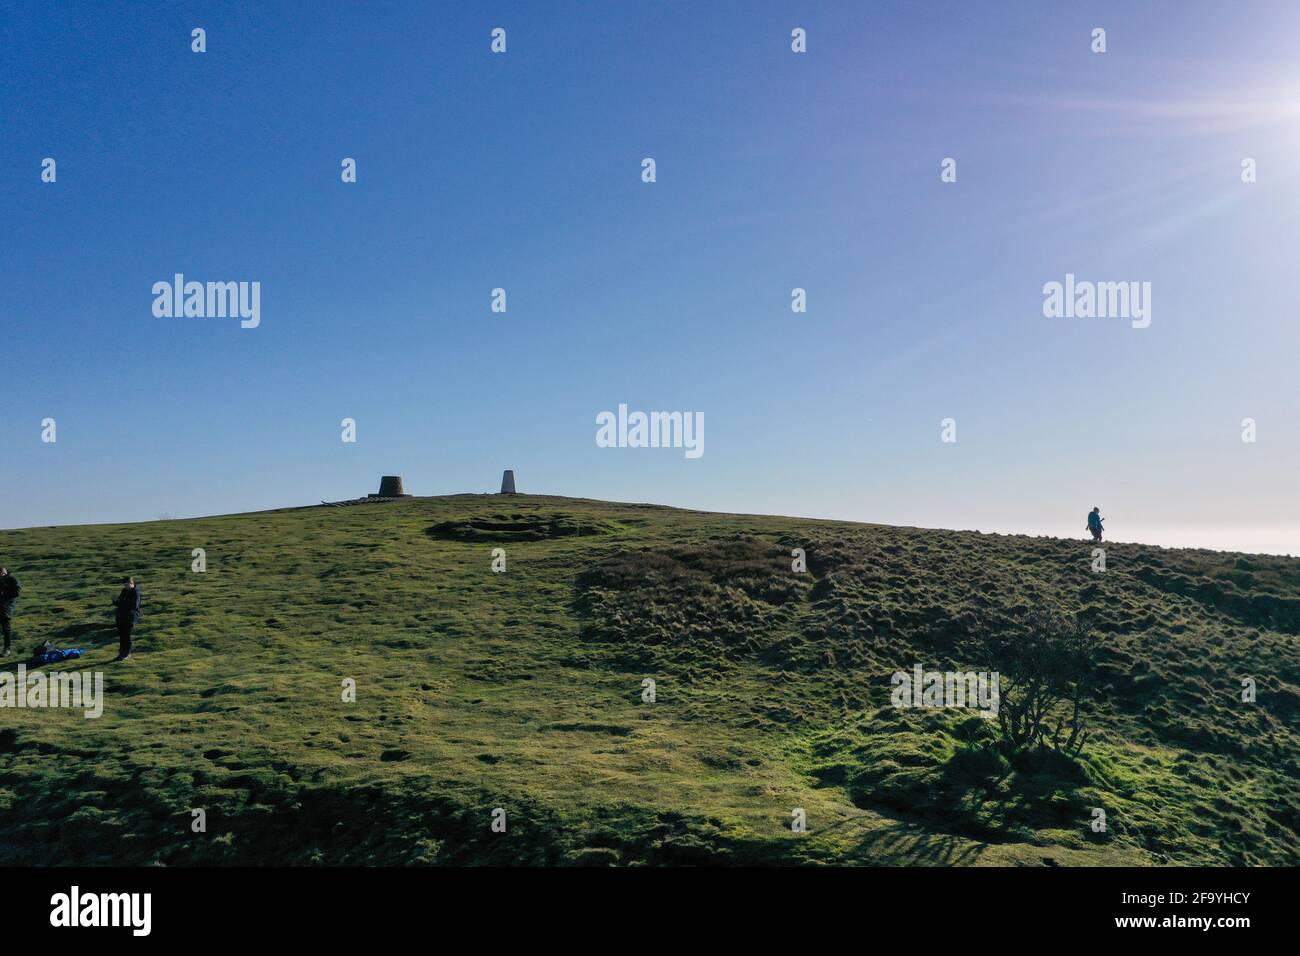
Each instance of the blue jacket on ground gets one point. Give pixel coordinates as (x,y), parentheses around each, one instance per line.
(53,657)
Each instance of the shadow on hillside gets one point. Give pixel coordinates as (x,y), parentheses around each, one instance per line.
(520,527)
(66,636)
(905,844)
(1236,596)
(977,794)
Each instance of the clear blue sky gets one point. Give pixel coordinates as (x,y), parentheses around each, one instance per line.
(775,170)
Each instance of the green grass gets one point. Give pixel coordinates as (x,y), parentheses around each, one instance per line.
(522,690)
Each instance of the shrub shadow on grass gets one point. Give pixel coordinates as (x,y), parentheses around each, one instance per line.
(908,844)
(965,785)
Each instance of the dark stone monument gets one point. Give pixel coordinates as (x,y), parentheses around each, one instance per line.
(390,486)
(508,483)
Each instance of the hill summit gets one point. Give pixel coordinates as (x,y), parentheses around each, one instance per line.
(525,679)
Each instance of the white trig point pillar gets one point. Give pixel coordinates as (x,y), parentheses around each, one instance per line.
(508,483)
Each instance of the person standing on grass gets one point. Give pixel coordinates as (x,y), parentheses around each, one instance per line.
(1094,523)
(9,591)
(128,616)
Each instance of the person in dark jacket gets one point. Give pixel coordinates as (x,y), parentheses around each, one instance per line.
(9,591)
(128,616)
(1094,523)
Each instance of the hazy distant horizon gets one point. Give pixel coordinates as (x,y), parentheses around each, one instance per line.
(1222,539)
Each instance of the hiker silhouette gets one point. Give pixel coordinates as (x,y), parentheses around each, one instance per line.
(127,615)
(1094,523)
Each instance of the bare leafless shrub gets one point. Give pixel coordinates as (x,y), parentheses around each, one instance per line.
(1047,667)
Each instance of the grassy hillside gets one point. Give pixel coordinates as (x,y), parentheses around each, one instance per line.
(523,690)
